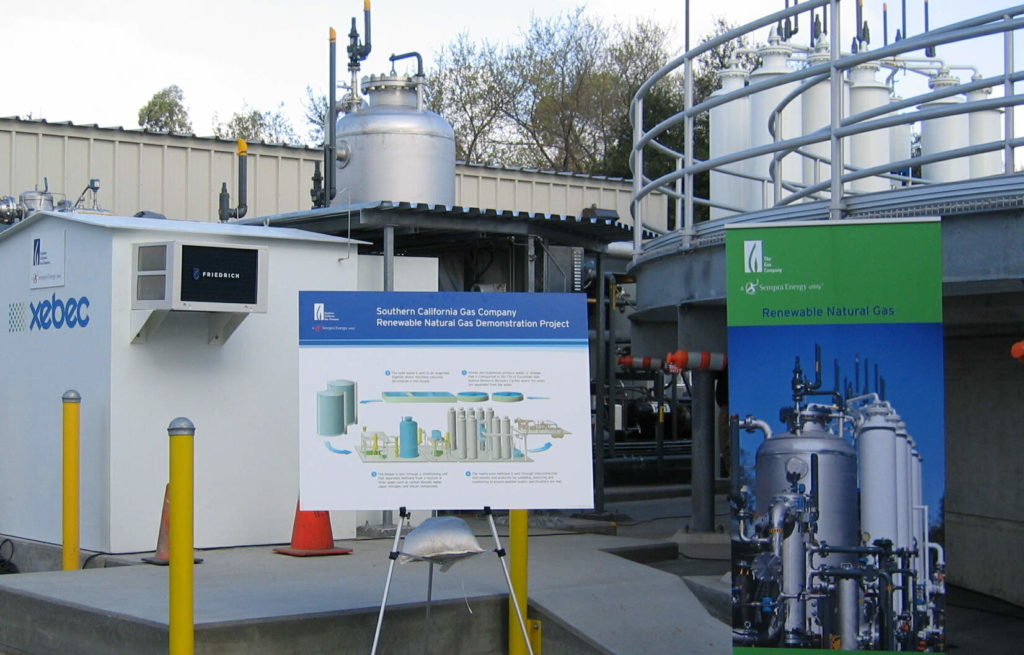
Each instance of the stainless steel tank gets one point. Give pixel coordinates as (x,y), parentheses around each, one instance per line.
(393,148)
(36,201)
(786,457)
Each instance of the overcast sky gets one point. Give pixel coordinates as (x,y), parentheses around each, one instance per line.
(100,61)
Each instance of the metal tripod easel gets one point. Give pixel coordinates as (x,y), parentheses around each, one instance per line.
(393,555)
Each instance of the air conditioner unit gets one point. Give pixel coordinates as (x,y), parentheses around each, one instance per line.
(199,277)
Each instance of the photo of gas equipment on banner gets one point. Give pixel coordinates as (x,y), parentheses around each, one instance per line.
(836,396)
(443,400)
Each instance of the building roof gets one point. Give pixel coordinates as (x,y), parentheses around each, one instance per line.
(143,131)
(438,223)
(169,225)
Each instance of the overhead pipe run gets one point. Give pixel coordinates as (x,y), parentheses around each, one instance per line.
(680,360)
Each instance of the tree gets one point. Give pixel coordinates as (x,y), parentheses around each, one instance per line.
(557,90)
(165,112)
(558,97)
(314,107)
(257,126)
(462,89)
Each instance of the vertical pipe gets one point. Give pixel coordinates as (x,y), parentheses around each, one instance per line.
(600,397)
(531,261)
(71,410)
(835,211)
(1007,92)
(513,600)
(659,426)
(688,152)
(610,360)
(243,179)
(885,24)
(518,562)
(181,627)
(702,467)
(679,201)
(638,177)
(676,432)
(848,620)
(389,257)
(794,572)
(903,16)
(860,22)
(330,147)
(776,164)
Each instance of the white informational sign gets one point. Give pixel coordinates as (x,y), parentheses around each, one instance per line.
(47,268)
(444,401)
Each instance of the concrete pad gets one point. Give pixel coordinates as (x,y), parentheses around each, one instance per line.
(253,601)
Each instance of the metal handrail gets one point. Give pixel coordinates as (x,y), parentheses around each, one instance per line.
(1004,21)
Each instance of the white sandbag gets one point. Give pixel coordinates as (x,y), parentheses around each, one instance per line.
(443,540)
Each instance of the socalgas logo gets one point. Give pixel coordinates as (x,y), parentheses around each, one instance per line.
(321,313)
(51,313)
(755,260)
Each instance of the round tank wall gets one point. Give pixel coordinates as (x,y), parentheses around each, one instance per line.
(393,149)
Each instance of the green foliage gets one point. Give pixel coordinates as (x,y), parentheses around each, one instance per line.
(462,88)
(556,98)
(257,126)
(314,107)
(165,112)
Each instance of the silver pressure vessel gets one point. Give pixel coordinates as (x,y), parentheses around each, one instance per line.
(787,458)
(393,148)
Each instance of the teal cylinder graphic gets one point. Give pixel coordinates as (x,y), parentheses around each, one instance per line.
(330,413)
(347,387)
(507,396)
(408,431)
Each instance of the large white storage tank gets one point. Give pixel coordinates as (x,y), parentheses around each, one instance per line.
(985,126)
(900,140)
(730,133)
(393,148)
(868,149)
(816,103)
(945,133)
(774,61)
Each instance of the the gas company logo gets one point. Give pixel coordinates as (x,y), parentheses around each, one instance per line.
(755,260)
(324,320)
(322,314)
(38,256)
(51,313)
(753,256)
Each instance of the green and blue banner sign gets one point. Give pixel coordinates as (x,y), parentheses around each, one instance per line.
(836,395)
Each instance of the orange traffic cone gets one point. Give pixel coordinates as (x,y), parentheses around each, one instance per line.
(311,535)
(162,556)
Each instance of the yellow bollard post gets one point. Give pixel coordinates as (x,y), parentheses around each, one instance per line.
(71,520)
(519,555)
(181,623)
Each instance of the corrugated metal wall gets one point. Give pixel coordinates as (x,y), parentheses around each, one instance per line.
(180,176)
